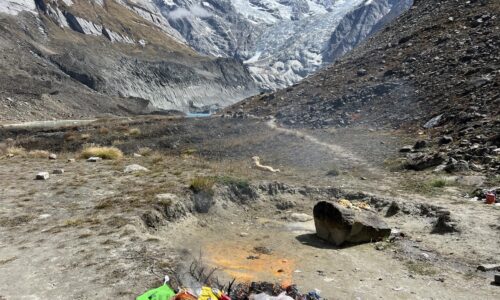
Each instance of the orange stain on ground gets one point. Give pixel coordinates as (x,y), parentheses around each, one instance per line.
(233,259)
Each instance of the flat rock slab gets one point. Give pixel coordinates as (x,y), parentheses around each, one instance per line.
(338,225)
(299,217)
(94,159)
(42,176)
(488,267)
(135,168)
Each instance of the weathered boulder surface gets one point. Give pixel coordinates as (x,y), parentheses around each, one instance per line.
(339,225)
(422,161)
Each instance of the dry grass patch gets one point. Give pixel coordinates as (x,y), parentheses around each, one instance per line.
(145,151)
(111,153)
(134,132)
(38,154)
(85,136)
(16,151)
(202,185)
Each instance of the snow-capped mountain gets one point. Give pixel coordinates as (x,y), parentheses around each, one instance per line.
(144,48)
(81,58)
(281,41)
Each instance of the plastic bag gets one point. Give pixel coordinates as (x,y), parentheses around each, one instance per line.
(208,293)
(164,292)
(263,296)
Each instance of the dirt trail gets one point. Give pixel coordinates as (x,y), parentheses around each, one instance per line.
(335,149)
(50,124)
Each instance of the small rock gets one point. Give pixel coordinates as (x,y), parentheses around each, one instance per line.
(444,224)
(299,217)
(71,160)
(263,250)
(439,168)
(420,145)
(489,267)
(433,122)
(285,204)
(135,168)
(456,166)
(406,149)
(361,72)
(476,167)
(393,209)
(94,159)
(52,156)
(58,171)
(137,155)
(42,176)
(243,234)
(166,197)
(445,139)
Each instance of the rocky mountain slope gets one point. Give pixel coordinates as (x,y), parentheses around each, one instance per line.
(435,69)
(281,41)
(77,58)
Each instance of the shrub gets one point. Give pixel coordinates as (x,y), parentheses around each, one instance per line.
(70,136)
(157,158)
(145,151)
(438,183)
(85,136)
(334,171)
(103,130)
(237,182)
(190,151)
(102,152)
(202,184)
(16,151)
(134,132)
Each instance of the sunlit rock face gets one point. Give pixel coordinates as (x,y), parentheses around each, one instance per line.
(281,41)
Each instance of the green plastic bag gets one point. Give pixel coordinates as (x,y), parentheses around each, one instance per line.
(164,292)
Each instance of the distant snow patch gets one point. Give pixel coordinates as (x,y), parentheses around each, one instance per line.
(193,11)
(14,7)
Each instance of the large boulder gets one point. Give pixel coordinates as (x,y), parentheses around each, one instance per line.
(422,161)
(338,225)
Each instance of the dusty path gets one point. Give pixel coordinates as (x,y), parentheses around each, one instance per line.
(314,141)
(51,124)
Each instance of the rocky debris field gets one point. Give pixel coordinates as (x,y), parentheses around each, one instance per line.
(432,72)
(169,193)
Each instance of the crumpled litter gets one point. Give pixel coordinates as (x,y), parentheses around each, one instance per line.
(264,296)
(242,291)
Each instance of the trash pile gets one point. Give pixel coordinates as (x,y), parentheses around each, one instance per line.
(488,196)
(242,291)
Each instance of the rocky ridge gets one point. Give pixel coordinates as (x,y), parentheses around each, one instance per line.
(434,72)
(73,59)
(281,42)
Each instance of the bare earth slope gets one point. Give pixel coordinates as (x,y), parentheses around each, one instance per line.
(439,57)
(83,58)
(439,60)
